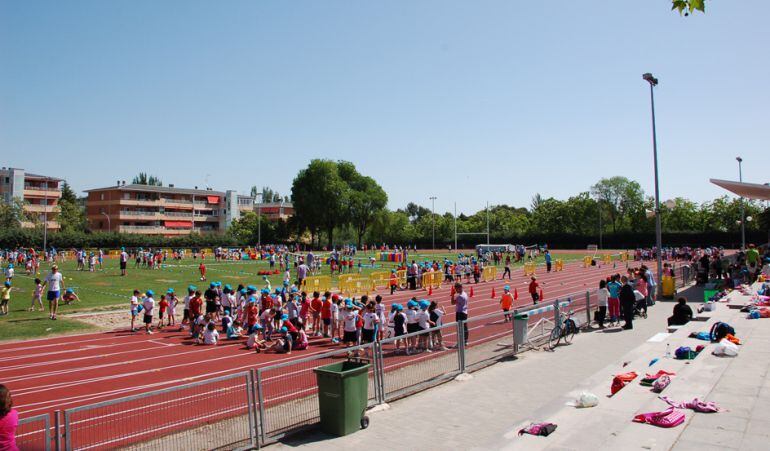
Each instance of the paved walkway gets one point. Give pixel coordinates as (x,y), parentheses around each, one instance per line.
(486,411)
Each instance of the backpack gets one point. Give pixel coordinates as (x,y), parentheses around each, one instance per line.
(665,419)
(685,353)
(720,330)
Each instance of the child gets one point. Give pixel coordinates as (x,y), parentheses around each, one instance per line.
(411,325)
(379,310)
(436,315)
(368,331)
(37,295)
(134,309)
(315,309)
(424,323)
(393,281)
(302,342)
(326,315)
(5,297)
(350,324)
(173,301)
(235,331)
(399,325)
(210,335)
(506,303)
(202,269)
(162,306)
(70,296)
(9,273)
(148,304)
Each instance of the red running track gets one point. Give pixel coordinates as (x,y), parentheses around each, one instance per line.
(59,373)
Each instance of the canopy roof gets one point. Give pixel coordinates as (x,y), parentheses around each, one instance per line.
(748,190)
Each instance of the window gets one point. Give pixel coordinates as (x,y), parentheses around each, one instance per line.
(101,196)
(126,196)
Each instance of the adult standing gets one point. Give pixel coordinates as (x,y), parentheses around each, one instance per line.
(460,301)
(548,261)
(9,421)
(412,276)
(752,262)
(301,274)
(627,302)
(55,283)
(123,261)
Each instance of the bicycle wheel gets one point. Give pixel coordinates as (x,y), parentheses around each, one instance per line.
(570,331)
(553,340)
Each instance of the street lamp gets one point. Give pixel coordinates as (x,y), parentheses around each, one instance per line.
(658,238)
(743,208)
(109,226)
(259,219)
(433,215)
(45,217)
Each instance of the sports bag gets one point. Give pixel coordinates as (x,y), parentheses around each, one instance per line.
(666,419)
(720,330)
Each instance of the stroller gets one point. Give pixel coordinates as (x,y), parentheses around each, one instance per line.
(640,308)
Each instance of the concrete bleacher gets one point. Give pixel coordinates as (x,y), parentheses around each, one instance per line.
(738,384)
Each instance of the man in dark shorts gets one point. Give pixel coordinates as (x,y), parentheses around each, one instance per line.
(460,301)
(211,298)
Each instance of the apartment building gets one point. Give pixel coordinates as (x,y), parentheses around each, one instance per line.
(155,210)
(39,193)
(276,210)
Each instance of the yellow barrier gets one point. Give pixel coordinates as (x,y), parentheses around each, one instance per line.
(489,274)
(607,259)
(401,274)
(587,261)
(432,279)
(529,269)
(380,278)
(317,283)
(558,265)
(355,286)
(624,256)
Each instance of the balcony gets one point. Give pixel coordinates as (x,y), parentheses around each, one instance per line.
(52,225)
(139,215)
(153,230)
(38,208)
(40,192)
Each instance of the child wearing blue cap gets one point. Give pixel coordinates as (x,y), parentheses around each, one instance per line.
(148,305)
(350,324)
(399,325)
(173,301)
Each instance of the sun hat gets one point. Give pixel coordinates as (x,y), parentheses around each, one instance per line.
(424,304)
(191,288)
(507,288)
(150,293)
(170,291)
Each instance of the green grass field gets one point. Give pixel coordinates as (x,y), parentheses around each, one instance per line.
(106,290)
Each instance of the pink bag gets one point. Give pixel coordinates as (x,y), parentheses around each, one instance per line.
(666,419)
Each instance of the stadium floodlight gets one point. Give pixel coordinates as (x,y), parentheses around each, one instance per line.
(658,230)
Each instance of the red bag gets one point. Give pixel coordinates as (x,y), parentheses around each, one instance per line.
(621,380)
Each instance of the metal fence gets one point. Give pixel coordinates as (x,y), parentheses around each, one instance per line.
(215,413)
(287,395)
(34,433)
(260,406)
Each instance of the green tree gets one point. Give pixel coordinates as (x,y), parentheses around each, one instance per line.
(685,7)
(365,201)
(622,200)
(320,198)
(143,179)
(12,214)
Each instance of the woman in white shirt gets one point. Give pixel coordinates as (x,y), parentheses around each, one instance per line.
(603,295)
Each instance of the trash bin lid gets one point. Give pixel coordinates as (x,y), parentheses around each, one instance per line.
(344,369)
(521,316)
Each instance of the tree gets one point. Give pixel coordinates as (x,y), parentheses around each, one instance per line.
(143,179)
(12,214)
(320,198)
(366,200)
(622,199)
(685,7)
(416,212)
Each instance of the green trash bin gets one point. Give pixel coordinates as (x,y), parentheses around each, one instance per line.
(343,394)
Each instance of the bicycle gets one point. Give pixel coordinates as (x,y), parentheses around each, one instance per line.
(566,330)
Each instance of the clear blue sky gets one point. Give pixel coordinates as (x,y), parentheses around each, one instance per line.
(469,101)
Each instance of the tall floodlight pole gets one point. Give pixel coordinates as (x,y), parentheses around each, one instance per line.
(658,233)
(433,215)
(109,226)
(600,223)
(487,223)
(259,219)
(45,217)
(743,207)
